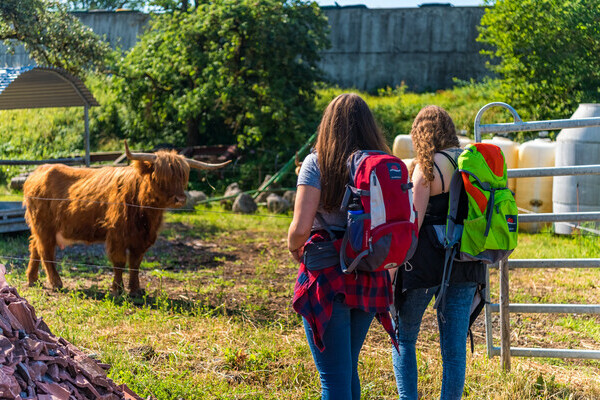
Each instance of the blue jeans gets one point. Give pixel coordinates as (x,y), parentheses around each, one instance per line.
(453,327)
(343,339)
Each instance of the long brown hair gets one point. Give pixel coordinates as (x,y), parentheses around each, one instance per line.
(347,126)
(432,131)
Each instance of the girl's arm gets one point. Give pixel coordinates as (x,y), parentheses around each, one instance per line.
(305,210)
(421,191)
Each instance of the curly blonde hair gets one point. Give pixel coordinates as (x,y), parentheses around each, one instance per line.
(432,131)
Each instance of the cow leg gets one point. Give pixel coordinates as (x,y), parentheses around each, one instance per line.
(34,262)
(48,251)
(118,258)
(135,259)
(117,285)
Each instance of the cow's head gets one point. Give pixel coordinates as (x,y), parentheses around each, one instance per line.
(167,173)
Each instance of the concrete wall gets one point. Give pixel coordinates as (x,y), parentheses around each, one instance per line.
(423,47)
(120,29)
(371,48)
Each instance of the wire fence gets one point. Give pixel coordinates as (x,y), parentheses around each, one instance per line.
(194,211)
(124,204)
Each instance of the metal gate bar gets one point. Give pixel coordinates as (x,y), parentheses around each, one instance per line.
(549,308)
(549,353)
(553,171)
(505,307)
(561,217)
(554,263)
(520,126)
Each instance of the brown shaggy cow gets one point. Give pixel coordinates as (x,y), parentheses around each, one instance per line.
(120,206)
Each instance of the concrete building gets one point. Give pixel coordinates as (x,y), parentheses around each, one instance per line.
(425,48)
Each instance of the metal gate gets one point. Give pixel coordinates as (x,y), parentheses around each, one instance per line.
(505,307)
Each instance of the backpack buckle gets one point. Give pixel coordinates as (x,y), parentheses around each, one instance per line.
(406,186)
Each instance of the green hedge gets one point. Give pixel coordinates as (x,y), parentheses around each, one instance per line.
(48,133)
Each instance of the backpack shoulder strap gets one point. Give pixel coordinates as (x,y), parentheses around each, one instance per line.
(441,176)
(452,161)
(453,235)
(450,158)
(453,232)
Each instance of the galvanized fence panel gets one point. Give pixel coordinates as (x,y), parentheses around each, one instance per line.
(504,307)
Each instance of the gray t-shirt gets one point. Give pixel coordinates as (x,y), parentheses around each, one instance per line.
(310,175)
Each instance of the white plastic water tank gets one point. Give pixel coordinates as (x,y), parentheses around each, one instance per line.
(402,147)
(408,162)
(464,140)
(577,146)
(535,194)
(510,150)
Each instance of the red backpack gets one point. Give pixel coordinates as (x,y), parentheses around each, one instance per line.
(382,226)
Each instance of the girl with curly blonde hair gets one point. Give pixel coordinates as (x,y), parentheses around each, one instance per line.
(437,149)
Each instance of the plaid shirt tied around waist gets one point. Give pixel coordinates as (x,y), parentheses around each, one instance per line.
(314,292)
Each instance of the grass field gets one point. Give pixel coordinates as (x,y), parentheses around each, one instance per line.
(217,323)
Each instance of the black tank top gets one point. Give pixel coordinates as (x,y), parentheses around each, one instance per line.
(426,267)
(437,207)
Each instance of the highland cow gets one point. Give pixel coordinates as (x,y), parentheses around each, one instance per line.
(120,206)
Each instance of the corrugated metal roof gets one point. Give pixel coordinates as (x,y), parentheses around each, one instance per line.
(40,87)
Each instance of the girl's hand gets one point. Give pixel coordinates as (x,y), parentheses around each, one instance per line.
(297,253)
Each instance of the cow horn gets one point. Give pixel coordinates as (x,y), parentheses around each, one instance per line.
(202,165)
(139,156)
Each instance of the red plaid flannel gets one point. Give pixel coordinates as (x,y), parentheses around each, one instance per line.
(315,290)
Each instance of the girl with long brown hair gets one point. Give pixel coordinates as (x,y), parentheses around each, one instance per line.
(337,309)
(437,149)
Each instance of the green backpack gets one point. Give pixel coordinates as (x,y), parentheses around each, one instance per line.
(482,220)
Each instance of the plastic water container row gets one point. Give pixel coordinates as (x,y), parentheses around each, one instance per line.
(576,146)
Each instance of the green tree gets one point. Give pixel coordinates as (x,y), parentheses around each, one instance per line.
(175,5)
(50,35)
(546,51)
(105,4)
(230,71)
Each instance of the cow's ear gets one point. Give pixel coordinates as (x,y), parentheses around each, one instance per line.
(143,167)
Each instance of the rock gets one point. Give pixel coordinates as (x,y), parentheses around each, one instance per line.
(193,197)
(188,206)
(35,364)
(277,204)
(290,196)
(196,196)
(262,197)
(244,203)
(17,182)
(232,190)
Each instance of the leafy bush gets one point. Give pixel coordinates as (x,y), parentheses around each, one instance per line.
(395,109)
(230,71)
(37,134)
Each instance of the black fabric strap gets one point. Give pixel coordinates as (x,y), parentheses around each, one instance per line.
(452,161)
(441,176)
(450,158)
(325,226)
